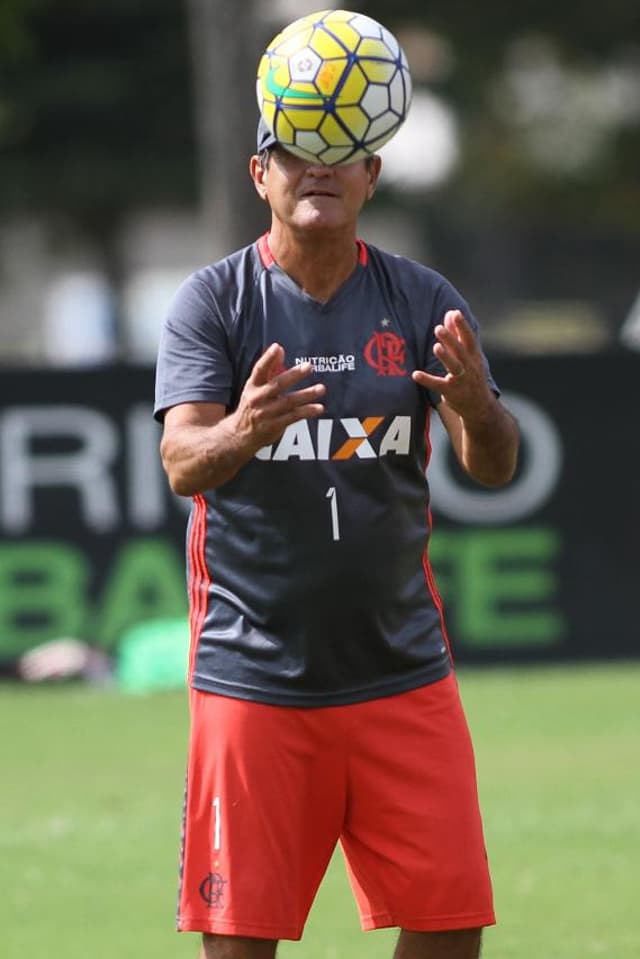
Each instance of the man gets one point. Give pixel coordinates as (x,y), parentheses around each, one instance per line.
(296,379)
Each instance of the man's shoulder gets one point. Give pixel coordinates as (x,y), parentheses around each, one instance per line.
(217,290)
(236,268)
(403,269)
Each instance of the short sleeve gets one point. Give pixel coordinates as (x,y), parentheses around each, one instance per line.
(194,363)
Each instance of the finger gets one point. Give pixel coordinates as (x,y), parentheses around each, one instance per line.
(311,394)
(306,412)
(448,338)
(268,365)
(440,384)
(287,402)
(430,382)
(456,321)
(293,375)
(453,360)
(451,318)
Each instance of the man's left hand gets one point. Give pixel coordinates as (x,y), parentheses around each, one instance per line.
(464,386)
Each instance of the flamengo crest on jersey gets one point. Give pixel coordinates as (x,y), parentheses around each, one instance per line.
(325,439)
(386,353)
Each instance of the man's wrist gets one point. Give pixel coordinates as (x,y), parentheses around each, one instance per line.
(235,444)
(482,416)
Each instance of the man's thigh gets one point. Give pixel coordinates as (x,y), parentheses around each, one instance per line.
(413,838)
(264,805)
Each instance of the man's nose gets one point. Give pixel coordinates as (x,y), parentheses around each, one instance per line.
(319,169)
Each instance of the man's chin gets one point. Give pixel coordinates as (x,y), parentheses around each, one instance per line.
(313,218)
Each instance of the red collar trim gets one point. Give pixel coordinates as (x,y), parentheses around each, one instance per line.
(363,253)
(264,251)
(267,259)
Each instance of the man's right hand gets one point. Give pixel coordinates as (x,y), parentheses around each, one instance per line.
(203,447)
(269,401)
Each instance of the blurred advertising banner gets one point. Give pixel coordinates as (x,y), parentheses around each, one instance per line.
(92,539)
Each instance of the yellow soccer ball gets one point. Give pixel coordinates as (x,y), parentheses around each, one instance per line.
(334,86)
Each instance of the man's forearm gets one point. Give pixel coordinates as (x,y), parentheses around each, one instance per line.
(198,458)
(490,445)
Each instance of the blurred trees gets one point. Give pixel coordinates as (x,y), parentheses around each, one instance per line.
(94,105)
(224,54)
(98,114)
(95,119)
(96,109)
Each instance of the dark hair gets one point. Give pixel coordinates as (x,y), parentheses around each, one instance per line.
(264,157)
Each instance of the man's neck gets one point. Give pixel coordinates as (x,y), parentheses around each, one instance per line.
(318,264)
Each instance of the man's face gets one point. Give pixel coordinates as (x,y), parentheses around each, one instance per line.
(311,196)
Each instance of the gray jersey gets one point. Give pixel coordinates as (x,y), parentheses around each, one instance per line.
(308,574)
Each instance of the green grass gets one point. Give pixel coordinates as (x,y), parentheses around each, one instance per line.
(92,788)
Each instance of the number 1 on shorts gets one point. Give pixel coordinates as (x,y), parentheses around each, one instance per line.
(335,525)
(216,823)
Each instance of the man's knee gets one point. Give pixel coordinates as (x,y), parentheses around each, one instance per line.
(237,947)
(454,944)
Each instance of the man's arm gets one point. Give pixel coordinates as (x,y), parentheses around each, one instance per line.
(486,445)
(202,448)
(483,433)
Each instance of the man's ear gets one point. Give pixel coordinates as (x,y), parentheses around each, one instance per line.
(374,168)
(258,174)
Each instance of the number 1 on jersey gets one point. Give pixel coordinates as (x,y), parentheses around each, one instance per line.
(335,524)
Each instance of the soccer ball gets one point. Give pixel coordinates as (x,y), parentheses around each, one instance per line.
(333,86)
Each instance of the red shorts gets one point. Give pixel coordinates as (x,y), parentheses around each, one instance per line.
(271,789)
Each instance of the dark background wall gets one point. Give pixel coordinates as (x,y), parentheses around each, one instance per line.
(92,540)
